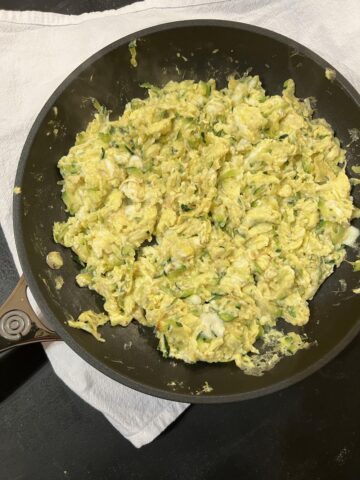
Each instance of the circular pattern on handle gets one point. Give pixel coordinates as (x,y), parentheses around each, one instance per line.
(14,325)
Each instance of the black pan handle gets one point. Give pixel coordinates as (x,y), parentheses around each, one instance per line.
(19,324)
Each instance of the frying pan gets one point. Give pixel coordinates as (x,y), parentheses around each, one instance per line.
(197,50)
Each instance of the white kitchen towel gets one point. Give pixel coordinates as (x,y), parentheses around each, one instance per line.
(38,50)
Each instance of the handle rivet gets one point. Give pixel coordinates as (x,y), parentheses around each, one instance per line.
(14,325)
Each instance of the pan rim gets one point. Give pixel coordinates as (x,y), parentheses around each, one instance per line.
(30,277)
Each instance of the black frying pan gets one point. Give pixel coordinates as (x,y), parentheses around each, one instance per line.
(109,77)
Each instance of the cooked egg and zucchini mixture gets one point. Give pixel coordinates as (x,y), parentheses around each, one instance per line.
(207,215)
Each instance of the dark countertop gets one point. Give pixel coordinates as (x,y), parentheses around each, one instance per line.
(309,431)
(69,7)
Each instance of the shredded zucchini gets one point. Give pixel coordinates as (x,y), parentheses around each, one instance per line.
(208,215)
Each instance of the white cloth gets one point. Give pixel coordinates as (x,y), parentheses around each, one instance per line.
(38,50)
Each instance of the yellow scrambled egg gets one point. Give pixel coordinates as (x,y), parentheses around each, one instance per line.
(207,215)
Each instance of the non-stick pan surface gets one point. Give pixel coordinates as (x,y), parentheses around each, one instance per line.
(183,50)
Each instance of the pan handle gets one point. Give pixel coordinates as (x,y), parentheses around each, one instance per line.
(19,324)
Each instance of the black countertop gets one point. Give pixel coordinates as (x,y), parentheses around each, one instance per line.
(68,7)
(309,431)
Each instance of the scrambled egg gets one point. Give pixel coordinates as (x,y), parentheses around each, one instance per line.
(207,215)
(54,260)
(133,53)
(330,74)
(59,282)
